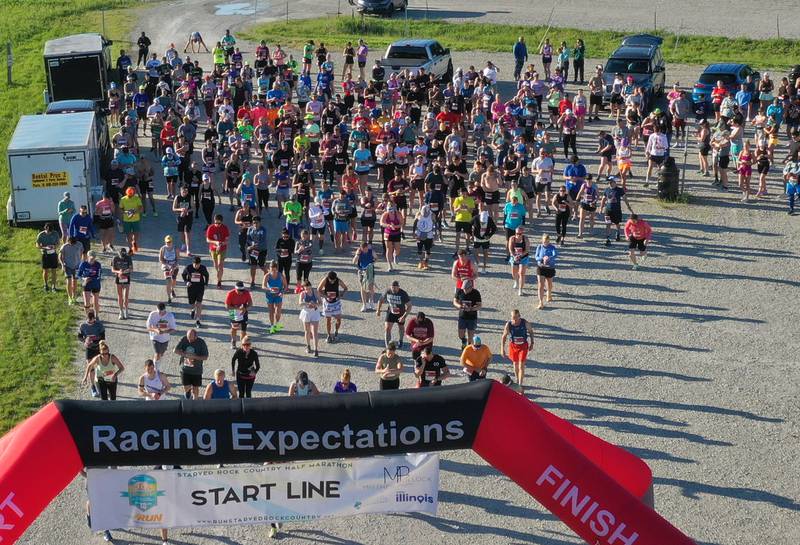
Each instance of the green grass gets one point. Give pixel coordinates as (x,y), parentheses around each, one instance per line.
(37,335)
(335,31)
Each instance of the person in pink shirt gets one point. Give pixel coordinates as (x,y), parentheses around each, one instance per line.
(639,233)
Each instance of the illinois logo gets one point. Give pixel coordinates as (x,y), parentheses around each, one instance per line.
(142,492)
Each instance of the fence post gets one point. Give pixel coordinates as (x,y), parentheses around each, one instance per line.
(655,19)
(287,11)
(9,62)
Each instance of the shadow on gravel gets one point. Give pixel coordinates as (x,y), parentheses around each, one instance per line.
(564,334)
(494,507)
(317,536)
(470,470)
(615,371)
(693,490)
(650,454)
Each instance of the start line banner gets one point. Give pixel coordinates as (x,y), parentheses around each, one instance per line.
(237,495)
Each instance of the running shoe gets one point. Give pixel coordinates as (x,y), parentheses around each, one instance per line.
(121,316)
(273,531)
(191,314)
(515,285)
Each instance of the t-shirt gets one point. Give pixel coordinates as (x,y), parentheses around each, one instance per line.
(340,388)
(467,202)
(91,334)
(236,299)
(71,255)
(293,211)
(431,370)
(198,347)
(66,209)
(219,233)
(49,241)
(514,214)
(419,329)
(396,303)
(163,323)
(476,356)
(613,197)
(468,302)
(131,208)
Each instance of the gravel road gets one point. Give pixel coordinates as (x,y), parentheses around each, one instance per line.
(688,362)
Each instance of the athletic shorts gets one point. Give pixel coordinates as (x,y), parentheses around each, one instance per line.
(493,197)
(763,168)
(69,272)
(723,162)
(86,243)
(131,227)
(463,227)
(195,295)
(657,159)
(637,243)
(483,245)
(258,260)
(92,287)
(517,352)
(49,261)
(525,261)
(190,379)
(465,323)
(341,226)
(239,325)
(613,216)
(596,100)
(217,254)
(185,224)
(368,222)
(366,277)
(159,347)
(589,207)
(318,230)
(331,309)
(546,272)
(393,237)
(274,298)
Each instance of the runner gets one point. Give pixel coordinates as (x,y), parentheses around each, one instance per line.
(639,233)
(168,257)
(389,367)
(144,174)
(364,260)
(182,207)
(430,369)
(217,236)
(462,207)
(220,387)
(152,384)
(122,268)
(611,204)
(520,334)
(301,387)
(514,213)
(304,250)
(463,269)
(293,211)
(392,223)
(475,359)
(90,273)
(243,219)
(317,222)
(310,317)
(196,277)
(104,220)
(245,367)
(468,302)
(90,333)
(284,249)
(66,209)
(47,242)
(105,367)
(341,208)
(424,229)
(160,325)
(587,197)
(274,285)
(238,302)
(257,249)
(329,290)
(131,208)
(345,385)
(398,306)
(518,249)
(81,228)
(543,166)
(69,256)
(563,204)
(546,253)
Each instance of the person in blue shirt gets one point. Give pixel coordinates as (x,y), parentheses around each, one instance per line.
(775,111)
(89,273)
(514,213)
(275,96)
(520,56)
(141,101)
(743,98)
(123,62)
(81,227)
(574,176)
(545,256)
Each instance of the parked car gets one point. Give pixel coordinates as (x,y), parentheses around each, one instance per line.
(638,56)
(383,7)
(730,74)
(412,55)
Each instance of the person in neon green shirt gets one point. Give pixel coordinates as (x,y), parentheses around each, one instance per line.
(245,129)
(131,207)
(463,205)
(219,54)
(301,144)
(308,55)
(293,211)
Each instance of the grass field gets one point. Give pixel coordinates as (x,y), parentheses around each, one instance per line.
(37,331)
(335,31)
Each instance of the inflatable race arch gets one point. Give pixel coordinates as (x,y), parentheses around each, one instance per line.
(601,491)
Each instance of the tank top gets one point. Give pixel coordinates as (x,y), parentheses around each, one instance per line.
(520,248)
(310,298)
(208,155)
(220,392)
(518,333)
(302,391)
(184,202)
(463,272)
(105,371)
(332,290)
(589,195)
(304,251)
(249,194)
(170,255)
(153,385)
(206,193)
(561,203)
(393,222)
(365,259)
(275,284)
(246,220)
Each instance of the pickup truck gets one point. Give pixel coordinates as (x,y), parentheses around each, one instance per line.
(412,55)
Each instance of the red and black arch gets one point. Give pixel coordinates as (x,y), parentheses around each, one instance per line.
(601,491)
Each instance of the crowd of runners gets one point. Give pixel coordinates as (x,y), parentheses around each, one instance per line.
(354,160)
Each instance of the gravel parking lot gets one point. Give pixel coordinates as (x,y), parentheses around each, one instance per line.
(688,362)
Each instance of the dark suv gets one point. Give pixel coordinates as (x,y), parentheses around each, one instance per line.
(638,56)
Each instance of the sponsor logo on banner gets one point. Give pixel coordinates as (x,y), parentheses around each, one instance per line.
(142,492)
(299,491)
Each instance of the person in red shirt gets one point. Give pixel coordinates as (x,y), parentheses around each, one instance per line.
(238,301)
(168,136)
(419,331)
(638,232)
(717,95)
(245,112)
(217,236)
(463,269)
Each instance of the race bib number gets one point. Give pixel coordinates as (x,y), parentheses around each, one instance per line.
(83,229)
(284,252)
(124,279)
(254,254)
(197,277)
(129,213)
(305,258)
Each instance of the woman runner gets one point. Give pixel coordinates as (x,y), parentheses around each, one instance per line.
(519,259)
(310,317)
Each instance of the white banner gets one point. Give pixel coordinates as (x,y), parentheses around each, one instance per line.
(262,494)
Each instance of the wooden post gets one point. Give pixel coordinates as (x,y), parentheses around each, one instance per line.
(287,11)
(10,62)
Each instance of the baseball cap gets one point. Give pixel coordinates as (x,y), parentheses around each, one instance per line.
(66,194)
(239,285)
(466,284)
(168,238)
(476,340)
(395,283)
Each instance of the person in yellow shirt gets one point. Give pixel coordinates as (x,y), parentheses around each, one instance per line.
(463,205)
(131,207)
(475,359)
